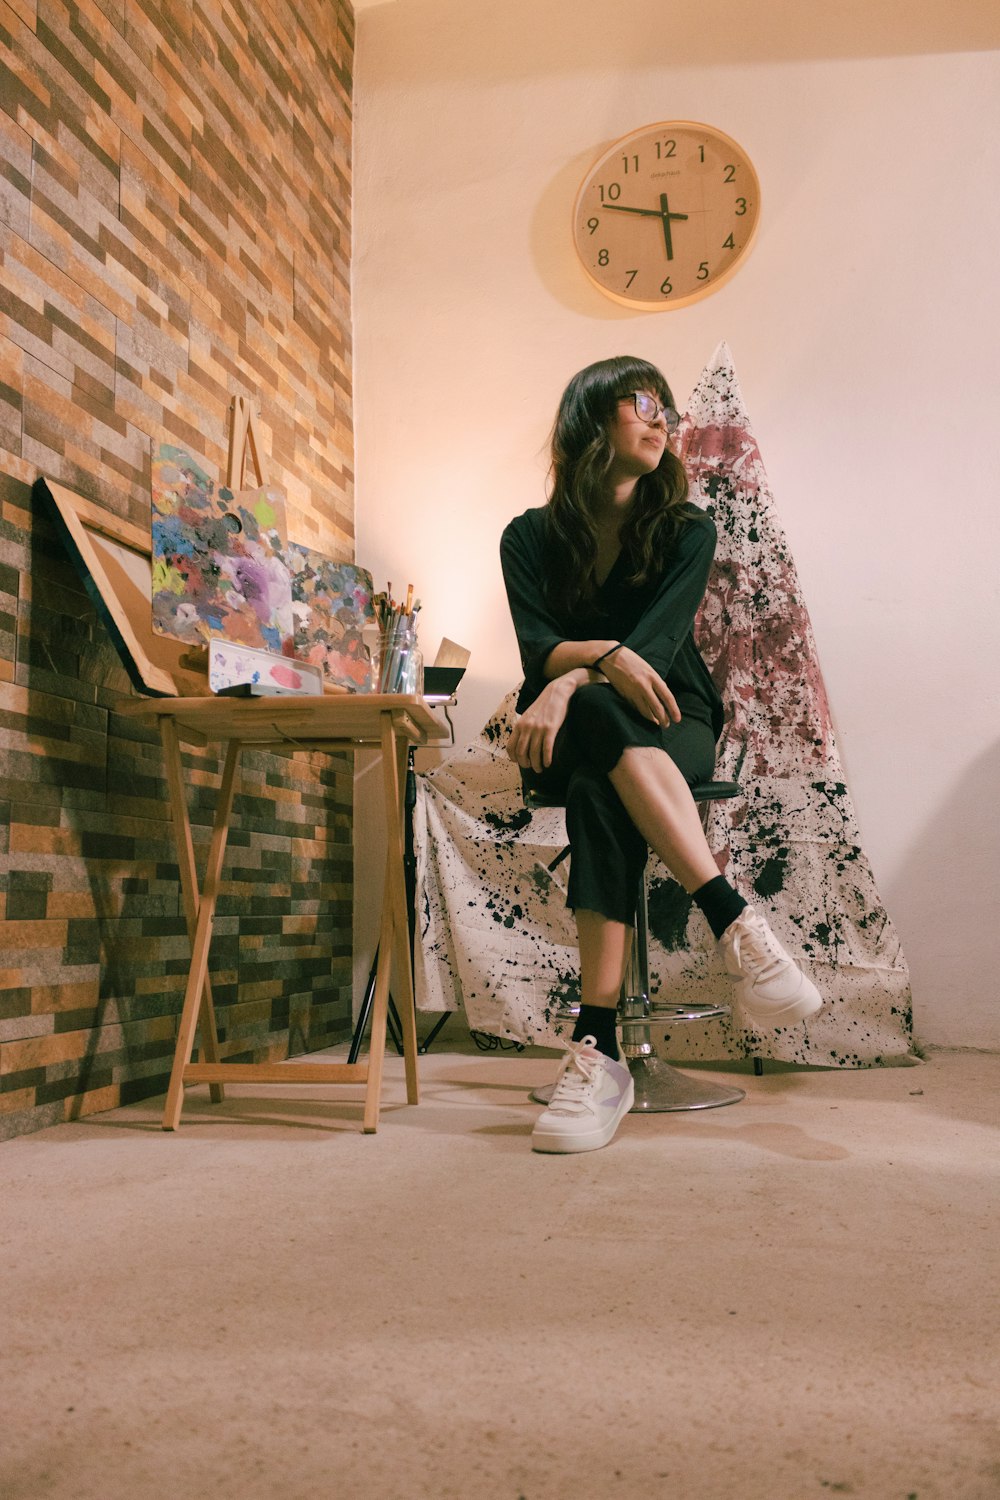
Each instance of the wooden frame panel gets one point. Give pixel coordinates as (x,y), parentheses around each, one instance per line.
(114,559)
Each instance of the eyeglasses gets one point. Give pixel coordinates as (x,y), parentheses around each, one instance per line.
(647,410)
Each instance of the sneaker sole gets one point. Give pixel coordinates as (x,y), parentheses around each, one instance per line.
(563,1145)
(794,1011)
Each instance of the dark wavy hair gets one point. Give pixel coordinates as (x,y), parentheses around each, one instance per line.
(582,457)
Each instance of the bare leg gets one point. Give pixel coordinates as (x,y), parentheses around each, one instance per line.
(604,947)
(659,802)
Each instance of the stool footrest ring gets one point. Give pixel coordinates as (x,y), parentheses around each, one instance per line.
(646,1011)
(676,1010)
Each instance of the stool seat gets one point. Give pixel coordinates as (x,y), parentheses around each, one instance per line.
(702,791)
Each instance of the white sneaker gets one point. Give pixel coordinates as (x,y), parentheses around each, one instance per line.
(592,1094)
(769,984)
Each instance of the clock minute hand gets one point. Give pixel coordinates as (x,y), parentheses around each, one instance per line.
(620,208)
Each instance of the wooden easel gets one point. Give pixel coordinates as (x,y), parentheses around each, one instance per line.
(243,437)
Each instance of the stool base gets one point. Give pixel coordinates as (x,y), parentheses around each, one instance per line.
(660,1088)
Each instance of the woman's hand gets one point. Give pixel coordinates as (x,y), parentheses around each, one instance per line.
(635,680)
(535,731)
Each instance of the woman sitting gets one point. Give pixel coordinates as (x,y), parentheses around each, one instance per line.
(619,717)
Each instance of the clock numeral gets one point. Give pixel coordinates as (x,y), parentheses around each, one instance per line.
(631,277)
(602,257)
(703,271)
(665,148)
(741,207)
(729,243)
(701,153)
(611,192)
(729,174)
(635,163)
(666,287)
(592,224)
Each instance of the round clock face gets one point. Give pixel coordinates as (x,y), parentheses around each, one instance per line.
(666,214)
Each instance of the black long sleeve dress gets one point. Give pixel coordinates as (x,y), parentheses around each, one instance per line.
(656,621)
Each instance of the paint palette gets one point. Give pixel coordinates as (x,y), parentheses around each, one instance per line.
(259,672)
(218,558)
(331,608)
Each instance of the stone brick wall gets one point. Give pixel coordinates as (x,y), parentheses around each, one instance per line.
(174,230)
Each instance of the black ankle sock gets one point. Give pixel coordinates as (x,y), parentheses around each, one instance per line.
(720,903)
(598,1021)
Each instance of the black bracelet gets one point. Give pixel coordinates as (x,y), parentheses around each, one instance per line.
(595,666)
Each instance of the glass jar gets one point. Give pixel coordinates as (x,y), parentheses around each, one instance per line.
(400,663)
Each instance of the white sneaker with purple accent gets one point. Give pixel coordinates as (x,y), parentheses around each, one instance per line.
(592,1094)
(770,986)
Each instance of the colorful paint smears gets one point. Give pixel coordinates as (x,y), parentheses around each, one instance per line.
(332,605)
(218,564)
(496,938)
(231,666)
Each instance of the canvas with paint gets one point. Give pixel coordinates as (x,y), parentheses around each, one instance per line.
(224,568)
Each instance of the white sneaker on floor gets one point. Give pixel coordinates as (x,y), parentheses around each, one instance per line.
(592,1094)
(769,984)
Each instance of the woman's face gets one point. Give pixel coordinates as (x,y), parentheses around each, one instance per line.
(638,444)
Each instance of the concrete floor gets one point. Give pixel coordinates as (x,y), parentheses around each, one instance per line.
(791,1297)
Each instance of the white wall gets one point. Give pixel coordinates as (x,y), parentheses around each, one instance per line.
(863,326)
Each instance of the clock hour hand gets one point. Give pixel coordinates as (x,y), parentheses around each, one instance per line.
(667,217)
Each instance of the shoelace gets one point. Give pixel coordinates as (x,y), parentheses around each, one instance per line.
(578,1075)
(762,949)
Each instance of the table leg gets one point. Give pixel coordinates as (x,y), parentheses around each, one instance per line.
(394,937)
(380,1010)
(195,993)
(401,928)
(189,887)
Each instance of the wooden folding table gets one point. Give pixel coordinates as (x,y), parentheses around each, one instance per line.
(333,722)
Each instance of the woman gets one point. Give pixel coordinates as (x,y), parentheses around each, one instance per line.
(619,717)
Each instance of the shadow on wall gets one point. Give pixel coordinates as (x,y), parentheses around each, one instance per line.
(552,250)
(947,887)
(522,38)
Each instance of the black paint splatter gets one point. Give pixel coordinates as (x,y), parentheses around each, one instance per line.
(669,909)
(507,826)
(771,876)
(564,993)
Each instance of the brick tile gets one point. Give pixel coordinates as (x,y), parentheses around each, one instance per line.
(15,176)
(16,1101)
(174,240)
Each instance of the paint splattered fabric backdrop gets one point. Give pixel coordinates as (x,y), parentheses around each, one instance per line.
(496,938)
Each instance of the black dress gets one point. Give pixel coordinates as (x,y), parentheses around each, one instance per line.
(656,621)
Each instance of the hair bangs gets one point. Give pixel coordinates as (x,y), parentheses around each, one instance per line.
(639,375)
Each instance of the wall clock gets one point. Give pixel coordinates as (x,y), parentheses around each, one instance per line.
(666,215)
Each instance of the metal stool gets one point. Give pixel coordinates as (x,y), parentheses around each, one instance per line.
(658,1086)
